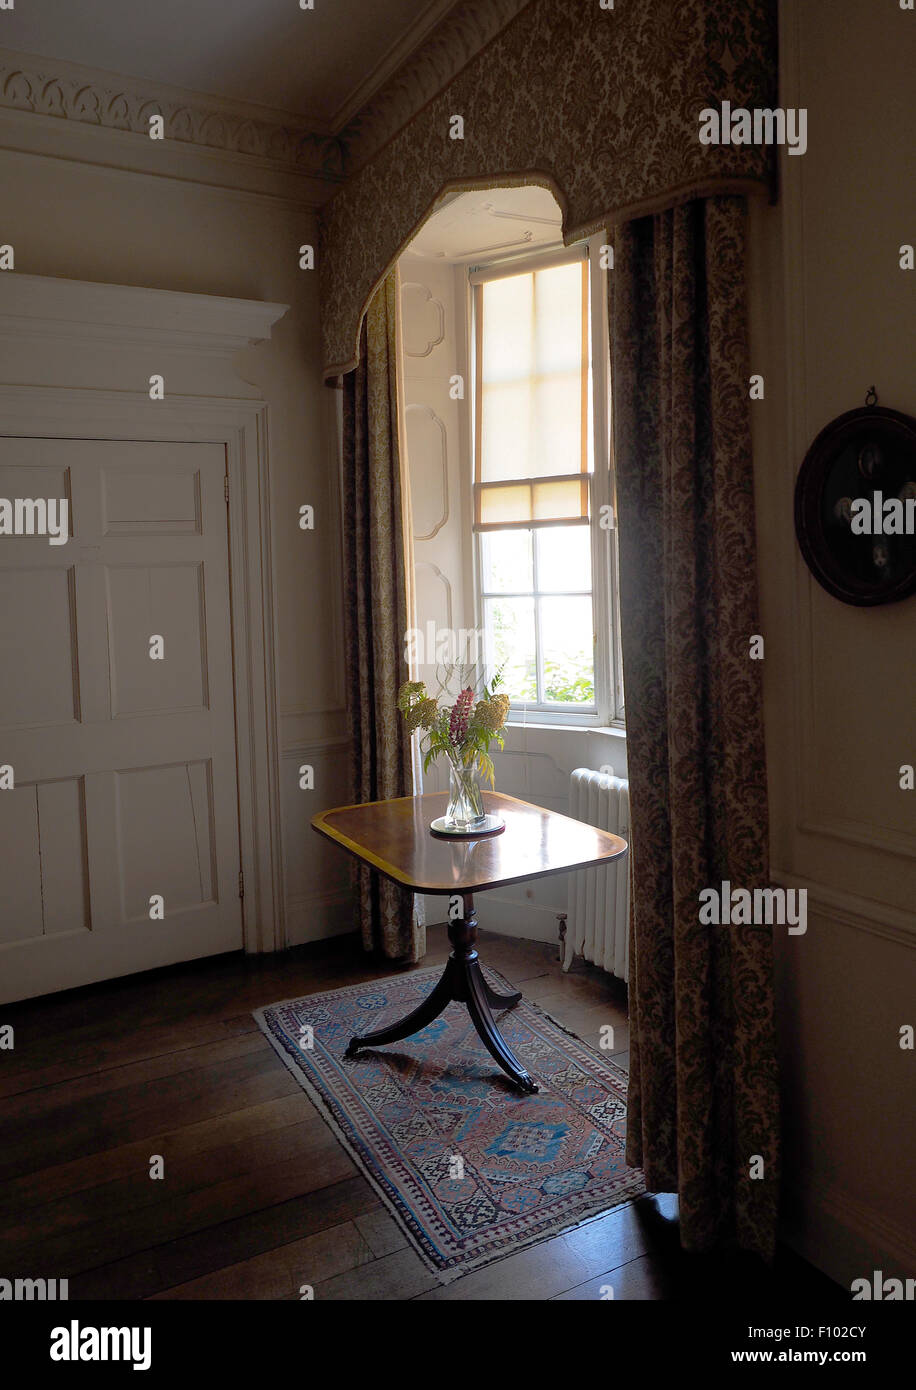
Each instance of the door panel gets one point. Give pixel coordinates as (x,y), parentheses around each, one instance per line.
(164,822)
(20,886)
(142,602)
(124,765)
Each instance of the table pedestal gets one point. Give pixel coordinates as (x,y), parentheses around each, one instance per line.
(463,982)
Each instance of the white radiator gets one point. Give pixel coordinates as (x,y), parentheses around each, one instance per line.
(599,898)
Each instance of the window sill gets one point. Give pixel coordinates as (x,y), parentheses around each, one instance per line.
(614,730)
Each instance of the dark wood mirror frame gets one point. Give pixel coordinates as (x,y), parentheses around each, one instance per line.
(866,451)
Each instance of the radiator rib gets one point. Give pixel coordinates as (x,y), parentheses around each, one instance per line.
(599,898)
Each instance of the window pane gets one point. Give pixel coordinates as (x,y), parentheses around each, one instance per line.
(510,639)
(505,562)
(564,559)
(567,638)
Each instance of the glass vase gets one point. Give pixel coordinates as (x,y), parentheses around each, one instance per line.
(465,803)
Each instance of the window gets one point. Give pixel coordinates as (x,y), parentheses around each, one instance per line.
(542,495)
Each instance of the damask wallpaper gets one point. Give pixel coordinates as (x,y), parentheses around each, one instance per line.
(601,105)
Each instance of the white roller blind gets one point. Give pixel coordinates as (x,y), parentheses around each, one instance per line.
(532,436)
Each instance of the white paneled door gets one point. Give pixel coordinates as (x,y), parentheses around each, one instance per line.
(119,844)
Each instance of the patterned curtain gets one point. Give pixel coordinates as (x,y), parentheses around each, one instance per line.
(375,556)
(703,1099)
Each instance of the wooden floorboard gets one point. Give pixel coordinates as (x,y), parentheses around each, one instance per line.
(259,1200)
(118,1199)
(140,1109)
(267,1229)
(102,1168)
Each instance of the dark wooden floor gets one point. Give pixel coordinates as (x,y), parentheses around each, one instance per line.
(258,1196)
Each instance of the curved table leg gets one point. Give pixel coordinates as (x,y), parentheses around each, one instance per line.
(463,982)
(482,1019)
(431,1007)
(501,1001)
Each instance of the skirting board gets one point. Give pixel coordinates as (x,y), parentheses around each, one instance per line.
(846,1239)
(315,917)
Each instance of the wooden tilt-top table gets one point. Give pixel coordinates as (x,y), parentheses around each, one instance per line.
(394,837)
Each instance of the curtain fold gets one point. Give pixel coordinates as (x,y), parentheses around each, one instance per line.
(703,1099)
(375,552)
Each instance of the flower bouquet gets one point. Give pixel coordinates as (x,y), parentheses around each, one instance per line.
(460,730)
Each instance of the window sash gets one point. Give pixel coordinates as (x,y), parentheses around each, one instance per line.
(609,705)
(578,711)
(540,502)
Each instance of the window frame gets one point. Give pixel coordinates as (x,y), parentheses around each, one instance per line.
(607,709)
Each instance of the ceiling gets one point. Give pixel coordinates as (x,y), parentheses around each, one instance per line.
(495,222)
(321,64)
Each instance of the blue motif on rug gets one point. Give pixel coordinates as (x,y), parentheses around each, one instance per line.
(471,1167)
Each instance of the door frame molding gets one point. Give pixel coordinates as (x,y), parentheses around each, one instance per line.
(241,426)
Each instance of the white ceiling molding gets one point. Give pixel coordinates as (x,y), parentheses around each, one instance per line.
(73,94)
(240,178)
(318,66)
(463,227)
(555,222)
(397,55)
(236,144)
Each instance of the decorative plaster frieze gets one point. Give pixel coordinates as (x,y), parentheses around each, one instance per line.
(72,94)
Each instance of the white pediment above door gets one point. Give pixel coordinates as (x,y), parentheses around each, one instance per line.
(114,337)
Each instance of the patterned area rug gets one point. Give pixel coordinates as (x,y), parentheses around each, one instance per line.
(471,1168)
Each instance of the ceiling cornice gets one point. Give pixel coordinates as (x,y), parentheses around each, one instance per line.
(408,76)
(390,63)
(71,92)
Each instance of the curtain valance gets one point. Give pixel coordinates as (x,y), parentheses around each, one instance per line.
(600,105)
